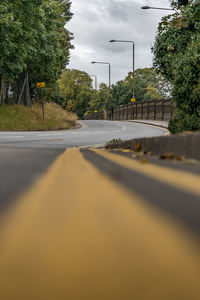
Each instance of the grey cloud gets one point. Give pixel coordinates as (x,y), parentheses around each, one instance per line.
(95,22)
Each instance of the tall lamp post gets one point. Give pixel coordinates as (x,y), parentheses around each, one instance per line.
(95,77)
(132,42)
(104,63)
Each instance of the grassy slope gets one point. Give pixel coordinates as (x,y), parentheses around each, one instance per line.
(20,118)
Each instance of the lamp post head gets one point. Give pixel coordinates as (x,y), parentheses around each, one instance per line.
(112,41)
(145,7)
(93,62)
(160,8)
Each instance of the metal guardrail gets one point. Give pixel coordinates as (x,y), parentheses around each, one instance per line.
(147,110)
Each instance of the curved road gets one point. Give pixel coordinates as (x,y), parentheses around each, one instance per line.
(24,156)
(94,132)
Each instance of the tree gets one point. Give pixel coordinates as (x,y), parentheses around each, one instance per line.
(182,2)
(77,91)
(148,85)
(176,56)
(103,97)
(33,41)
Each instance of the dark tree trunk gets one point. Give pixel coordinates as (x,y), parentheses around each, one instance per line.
(24,90)
(1,90)
(27,97)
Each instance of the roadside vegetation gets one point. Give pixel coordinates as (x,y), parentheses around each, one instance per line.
(23,118)
(177,58)
(34,47)
(76,92)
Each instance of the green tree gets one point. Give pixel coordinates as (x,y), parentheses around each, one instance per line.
(77,91)
(176,56)
(148,85)
(34,41)
(103,97)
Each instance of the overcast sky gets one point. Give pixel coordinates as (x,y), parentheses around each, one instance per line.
(95,22)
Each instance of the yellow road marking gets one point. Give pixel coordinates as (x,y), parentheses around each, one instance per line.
(83,125)
(180,179)
(77,235)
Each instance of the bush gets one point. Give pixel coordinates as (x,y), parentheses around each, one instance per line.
(184,122)
(177,57)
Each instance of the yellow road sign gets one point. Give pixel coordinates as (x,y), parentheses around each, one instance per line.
(41,85)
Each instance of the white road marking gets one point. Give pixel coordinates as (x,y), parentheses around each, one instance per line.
(84,126)
(14,136)
(121,126)
(49,134)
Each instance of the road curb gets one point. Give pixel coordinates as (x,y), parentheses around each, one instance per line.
(187,145)
(148,123)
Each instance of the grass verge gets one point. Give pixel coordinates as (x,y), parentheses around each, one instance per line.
(21,118)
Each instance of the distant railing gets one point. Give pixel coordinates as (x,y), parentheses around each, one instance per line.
(147,110)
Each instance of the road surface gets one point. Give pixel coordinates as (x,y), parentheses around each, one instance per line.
(99,224)
(94,132)
(25,155)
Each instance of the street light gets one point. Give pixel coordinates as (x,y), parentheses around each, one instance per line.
(161,8)
(104,63)
(122,41)
(95,77)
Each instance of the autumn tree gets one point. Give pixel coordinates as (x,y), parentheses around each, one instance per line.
(77,91)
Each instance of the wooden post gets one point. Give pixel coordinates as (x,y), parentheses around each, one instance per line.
(142,110)
(20,96)
(27,92)
(147,110)
(2,91)
(154,109)
(163,109)
(136,110)
(171,107)
(133,111)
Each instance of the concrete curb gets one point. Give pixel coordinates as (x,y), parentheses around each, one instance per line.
(187,145)
(149,123)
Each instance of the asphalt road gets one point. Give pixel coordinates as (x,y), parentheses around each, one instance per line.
(24,156)
(94,132)
(103,225)
(98,224)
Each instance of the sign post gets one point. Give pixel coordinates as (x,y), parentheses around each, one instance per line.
(42,85)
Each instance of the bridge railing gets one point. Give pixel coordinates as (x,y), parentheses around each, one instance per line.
(147,110)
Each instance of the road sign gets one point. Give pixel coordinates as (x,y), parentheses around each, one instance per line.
(41,85)
(133,100)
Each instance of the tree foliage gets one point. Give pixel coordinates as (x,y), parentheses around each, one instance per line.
(177,58)
(34,40)
(79,96)
(149,85)
(76,91)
